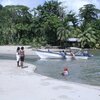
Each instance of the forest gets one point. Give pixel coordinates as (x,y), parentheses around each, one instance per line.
(49,24)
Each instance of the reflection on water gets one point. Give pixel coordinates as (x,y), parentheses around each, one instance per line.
(82,71)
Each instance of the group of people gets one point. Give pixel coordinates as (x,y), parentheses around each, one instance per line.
(20,55)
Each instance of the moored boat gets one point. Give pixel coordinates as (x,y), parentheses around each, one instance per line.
(78,53)
(48,54)
(76,57)
(62,55)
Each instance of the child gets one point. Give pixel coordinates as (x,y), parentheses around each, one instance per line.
(65,72)
(18,56)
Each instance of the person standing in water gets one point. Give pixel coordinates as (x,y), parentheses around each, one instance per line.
(72,55)
(18,56)
(22,56)
(65,72)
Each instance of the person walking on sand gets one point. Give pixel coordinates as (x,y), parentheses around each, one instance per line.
(18,56)
(22,56)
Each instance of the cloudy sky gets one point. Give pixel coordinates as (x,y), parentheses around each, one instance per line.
(29,3)
(76,4)
(70,4)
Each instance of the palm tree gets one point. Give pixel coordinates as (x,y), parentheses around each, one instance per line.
(88,13)
(51,7)
(62,34)
(71,17)
(88,38)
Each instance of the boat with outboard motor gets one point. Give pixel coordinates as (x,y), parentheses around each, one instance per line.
(63,54)
(78,53)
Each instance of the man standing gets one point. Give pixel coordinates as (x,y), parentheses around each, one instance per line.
(22,56)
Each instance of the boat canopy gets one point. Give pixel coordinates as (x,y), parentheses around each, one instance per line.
(73,40)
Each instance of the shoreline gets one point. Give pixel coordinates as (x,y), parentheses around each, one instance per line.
(23,84)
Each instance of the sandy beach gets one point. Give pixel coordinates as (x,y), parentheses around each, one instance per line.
(23,84)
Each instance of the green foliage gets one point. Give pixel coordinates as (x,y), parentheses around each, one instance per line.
(88,38)
(38,42)
(49,24)
(24,41)
(88,13)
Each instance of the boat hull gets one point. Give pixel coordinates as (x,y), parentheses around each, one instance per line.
(76,57)
(46,55)
(54,55)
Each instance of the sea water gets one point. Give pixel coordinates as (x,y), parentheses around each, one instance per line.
(81,71)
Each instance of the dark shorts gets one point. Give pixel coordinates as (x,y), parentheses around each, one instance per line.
(22,58)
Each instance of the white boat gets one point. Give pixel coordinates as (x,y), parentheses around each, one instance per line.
(60,55)
(48,54)
(76,57)
(78,54)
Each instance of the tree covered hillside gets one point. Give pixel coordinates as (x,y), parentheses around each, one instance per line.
(49,24)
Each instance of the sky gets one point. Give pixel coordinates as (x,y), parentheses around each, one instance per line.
(30,3)
(73,5)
